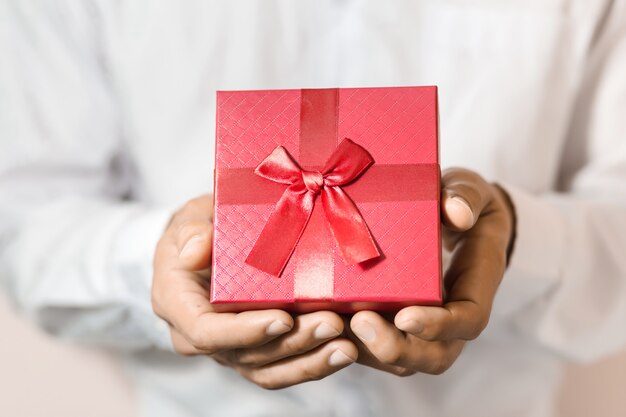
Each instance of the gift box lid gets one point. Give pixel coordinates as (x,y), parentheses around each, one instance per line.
(398,197)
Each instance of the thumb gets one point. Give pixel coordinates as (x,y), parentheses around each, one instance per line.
(194,243)
(464,195)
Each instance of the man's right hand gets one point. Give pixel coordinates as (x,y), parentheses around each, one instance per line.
(268,347)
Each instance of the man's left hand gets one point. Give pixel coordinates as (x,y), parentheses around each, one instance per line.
(479,226)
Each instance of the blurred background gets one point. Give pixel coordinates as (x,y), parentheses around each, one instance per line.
(45,377)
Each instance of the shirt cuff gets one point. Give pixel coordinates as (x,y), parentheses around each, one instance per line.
(535,266)
(132,257)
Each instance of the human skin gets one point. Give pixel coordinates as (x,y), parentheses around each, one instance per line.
(274,349)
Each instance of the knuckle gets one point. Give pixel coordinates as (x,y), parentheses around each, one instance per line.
(159,248)
(157,293)
(439,368)
(233,356)
(159,302)
(243,358)
(208,350)
(311,374)
(193,204)
(479,325)
(292,345)
(264,382)
(390,355)
(155,301)
(222,360)
(200,341)
(439,361)
(332,319)
(180,345)
(433,332)
(191,227)
(199,205)
(403,372)
(483,322)
(476,331)
(271,386)
(183,351)
(196,340)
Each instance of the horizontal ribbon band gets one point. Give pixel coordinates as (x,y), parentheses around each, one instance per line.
(401,182)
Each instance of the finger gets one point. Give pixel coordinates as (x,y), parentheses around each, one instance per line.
(369,360)
(366,358)
(197,208)
(313,365)
(213,332)
(463,198)
(194,244)
(188,238)
(191,233)
(309,331)
(182,298)
(182,345)
(456,320)
(472,280)
(394,348)
(216,332)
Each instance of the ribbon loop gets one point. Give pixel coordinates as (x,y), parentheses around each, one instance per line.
(283,230)
(346,163)
(279,167)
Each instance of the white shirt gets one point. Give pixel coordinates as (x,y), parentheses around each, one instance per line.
(107,125)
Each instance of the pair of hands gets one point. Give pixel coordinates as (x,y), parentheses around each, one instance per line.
(274,349)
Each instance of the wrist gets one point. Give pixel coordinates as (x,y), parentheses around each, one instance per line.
(509,207)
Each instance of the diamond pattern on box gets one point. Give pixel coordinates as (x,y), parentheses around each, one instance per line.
(397,126)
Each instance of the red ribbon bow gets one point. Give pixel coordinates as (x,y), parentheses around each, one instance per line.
(283,230)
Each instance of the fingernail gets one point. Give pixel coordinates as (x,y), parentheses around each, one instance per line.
(277,327)
(460,213)
(364,331)
(325,331)
(461,200)
(411,326)
(191,245)
(338,358)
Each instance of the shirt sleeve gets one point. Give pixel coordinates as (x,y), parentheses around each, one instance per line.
(566,283)
(75,251)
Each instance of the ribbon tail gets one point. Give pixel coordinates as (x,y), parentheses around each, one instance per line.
(283,230)
(348,226)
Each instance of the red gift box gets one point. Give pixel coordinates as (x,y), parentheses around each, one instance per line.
(327,199)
